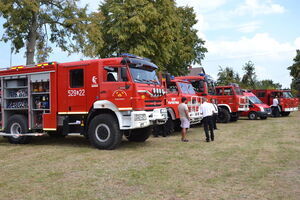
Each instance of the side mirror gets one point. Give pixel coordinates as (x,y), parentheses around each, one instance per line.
(251,106)
(124,74)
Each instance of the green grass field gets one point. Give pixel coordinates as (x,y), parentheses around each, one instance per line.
(249,160)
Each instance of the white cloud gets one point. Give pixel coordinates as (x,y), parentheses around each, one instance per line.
(270,57)
(258,46)
(258,7)
(202,5)
(249,27)
(297,43)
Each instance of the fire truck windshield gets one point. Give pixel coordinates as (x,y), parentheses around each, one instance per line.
(287,94)
(254,100)
(144,75)
(186,88)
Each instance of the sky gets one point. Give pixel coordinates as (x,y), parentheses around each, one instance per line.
(266,32)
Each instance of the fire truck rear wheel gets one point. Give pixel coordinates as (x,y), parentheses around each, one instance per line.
(223,115)
(139,135)
(285,114)
(17,124)
(252,116)
(104,132)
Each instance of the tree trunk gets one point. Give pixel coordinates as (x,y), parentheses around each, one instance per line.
(31,41)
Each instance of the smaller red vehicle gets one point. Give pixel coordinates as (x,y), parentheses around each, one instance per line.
(256,107)
(287,102)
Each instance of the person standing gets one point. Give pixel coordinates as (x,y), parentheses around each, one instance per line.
(215,114)
(184,118)
(207,110)
(275,107)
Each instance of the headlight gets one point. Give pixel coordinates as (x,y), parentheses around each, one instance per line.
(261,109)
(140,117)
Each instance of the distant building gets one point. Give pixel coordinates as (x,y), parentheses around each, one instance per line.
(196,71)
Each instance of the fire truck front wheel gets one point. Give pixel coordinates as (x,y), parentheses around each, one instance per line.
(252,116)
(104,132)
(139,135)
(223,115)
(17,124)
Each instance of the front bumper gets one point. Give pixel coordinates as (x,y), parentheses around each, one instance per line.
(158,116)
(268,111)
(195,117)
(291,109)
(262,114)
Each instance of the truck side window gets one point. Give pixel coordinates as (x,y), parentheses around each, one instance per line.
(76,78)
(112,74)
(228,91)
(261,94)
(219,91)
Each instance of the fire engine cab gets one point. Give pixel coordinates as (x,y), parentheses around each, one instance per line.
(101,99)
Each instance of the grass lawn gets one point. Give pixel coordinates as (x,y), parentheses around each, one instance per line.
(249,160)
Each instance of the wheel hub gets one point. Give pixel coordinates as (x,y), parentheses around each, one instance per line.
(102,132)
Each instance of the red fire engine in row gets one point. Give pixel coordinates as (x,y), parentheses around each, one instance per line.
(176,89)
(101,99)
(287,102)
(230,98)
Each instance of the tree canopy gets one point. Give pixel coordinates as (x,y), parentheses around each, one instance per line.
(154,29)
(32,24)
(295,73)
(227,75)
(249,81)
(249,77)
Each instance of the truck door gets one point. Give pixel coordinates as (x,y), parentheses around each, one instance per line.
(71,90)
(115,87)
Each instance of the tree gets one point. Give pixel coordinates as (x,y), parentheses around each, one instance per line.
(267,84)
(249,79)
(154,29)
(295,73)
(32,24)
(227,75)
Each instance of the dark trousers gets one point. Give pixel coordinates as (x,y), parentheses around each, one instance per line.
(275,111)
(208,125)
(215,116)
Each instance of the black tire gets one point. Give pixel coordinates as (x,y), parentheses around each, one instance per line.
(252,116)
(139,135)
(285,114)
(177,124)
(104,132)
(169,126)
(223,115)
(18,124)
(235,118)
(263,118)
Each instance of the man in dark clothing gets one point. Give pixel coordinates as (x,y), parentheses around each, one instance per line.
(215,115)
(207,110)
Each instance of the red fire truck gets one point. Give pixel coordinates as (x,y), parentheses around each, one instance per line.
(287,102)
(101,99)
(232,101)
(229,98)
(176,89)
(256,107)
